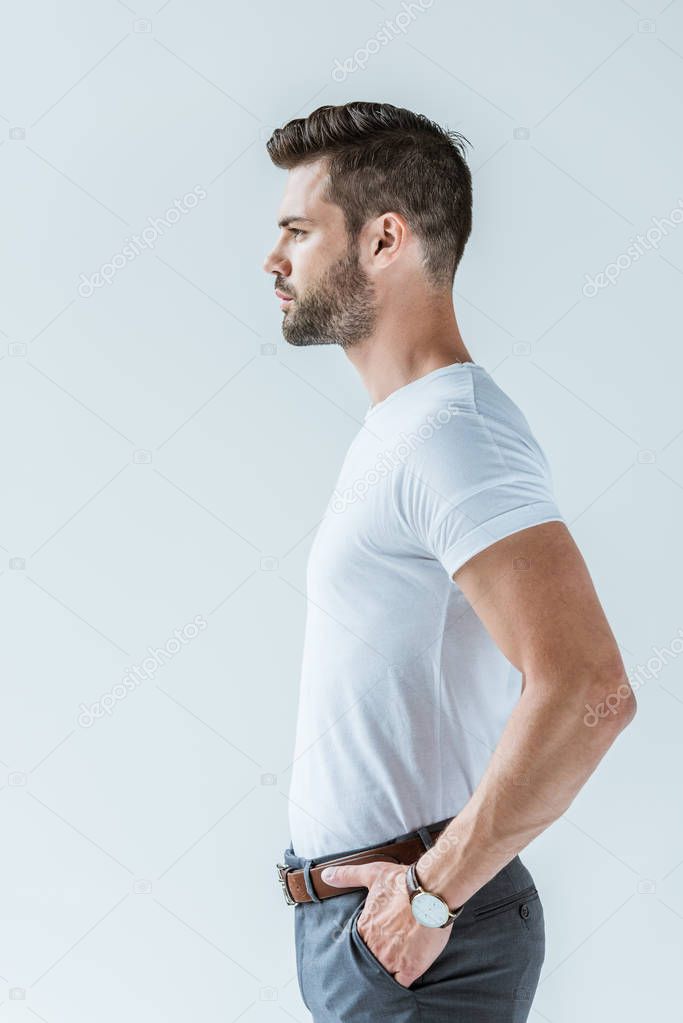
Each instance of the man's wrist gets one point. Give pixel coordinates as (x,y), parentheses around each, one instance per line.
(435,874)
(428,907)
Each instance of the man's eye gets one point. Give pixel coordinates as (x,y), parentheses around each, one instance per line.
(296,231)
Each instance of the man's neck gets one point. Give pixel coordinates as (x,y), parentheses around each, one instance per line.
(400,352)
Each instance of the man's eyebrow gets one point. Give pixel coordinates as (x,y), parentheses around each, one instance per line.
(286,221)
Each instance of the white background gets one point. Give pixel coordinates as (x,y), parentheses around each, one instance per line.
(165,455)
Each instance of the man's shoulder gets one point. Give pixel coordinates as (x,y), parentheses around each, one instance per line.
(458,443)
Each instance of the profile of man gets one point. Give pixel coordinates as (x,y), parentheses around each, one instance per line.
(455,647)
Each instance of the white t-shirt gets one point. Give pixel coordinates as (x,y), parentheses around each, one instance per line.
(403,693)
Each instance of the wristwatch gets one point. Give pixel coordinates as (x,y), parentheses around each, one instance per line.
(429,909)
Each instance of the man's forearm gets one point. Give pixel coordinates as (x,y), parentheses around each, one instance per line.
(545,755)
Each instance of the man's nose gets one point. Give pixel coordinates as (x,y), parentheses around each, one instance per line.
(270,261)
(275,263)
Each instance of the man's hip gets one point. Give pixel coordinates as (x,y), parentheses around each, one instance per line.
(489,968)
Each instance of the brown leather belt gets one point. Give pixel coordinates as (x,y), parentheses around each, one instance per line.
(407,851)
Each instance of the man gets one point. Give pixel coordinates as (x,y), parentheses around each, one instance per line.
(454,640)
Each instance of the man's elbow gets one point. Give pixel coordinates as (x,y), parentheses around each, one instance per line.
(610,702)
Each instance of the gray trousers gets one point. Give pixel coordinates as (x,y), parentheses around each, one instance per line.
(487,973)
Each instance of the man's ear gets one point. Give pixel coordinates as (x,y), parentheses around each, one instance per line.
(389,232)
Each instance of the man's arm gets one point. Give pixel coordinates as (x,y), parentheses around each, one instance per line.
(533,593)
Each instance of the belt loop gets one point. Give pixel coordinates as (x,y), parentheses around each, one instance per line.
(308,881)
(426,837)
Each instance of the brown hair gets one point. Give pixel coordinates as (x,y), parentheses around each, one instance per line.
(381,158)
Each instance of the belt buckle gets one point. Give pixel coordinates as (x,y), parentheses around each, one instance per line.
(282,870)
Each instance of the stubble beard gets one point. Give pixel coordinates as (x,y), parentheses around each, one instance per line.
(338,310)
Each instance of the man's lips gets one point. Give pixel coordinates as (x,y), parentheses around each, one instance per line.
(281,295)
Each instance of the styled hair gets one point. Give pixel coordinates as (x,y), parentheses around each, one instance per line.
(381,158)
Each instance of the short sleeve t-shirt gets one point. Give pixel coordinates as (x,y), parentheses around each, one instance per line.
(403,693)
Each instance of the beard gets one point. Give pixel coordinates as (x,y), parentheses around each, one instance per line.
(339,309)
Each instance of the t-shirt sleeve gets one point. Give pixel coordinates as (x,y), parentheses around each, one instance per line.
(472,483)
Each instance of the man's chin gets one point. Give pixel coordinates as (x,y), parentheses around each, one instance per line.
(299,339)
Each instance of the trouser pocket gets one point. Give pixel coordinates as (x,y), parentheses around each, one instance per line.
(501,905)
(379,968)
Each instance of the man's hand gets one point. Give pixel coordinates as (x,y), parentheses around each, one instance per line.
(386,924)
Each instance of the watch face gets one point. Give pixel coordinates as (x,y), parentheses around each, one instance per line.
(429,910)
